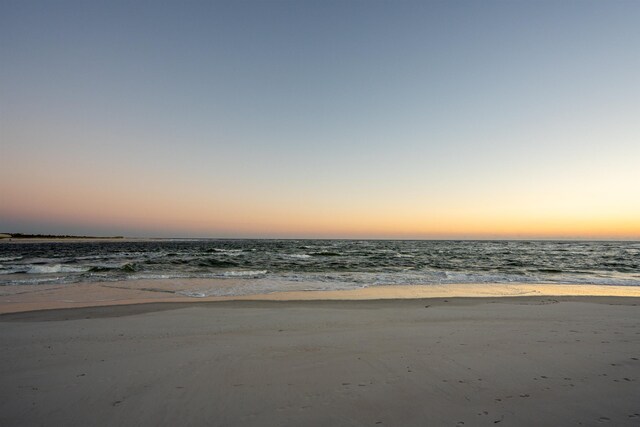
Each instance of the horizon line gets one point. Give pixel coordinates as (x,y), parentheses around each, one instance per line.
(41,236)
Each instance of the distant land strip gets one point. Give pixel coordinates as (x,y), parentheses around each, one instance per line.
(52,236)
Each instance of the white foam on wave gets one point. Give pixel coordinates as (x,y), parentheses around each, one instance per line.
(229,252)
(192,294)
(297,256)
(55,268)
(153,276)
(244,273)
(117,255)
(34,281)
(10,270)
(10,258)
(219,275)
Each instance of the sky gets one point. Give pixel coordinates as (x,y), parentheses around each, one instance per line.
(324,119)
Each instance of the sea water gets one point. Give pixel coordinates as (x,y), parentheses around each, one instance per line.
(263,266)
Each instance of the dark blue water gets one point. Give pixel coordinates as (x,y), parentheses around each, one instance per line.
(335,264)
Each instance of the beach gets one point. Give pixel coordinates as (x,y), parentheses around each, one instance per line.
(525,361)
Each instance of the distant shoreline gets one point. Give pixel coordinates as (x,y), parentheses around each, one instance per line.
(52,236)
(74,239)
(77,240)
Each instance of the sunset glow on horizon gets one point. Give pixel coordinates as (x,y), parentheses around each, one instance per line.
(285,119)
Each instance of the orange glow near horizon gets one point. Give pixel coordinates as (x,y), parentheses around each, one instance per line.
(166,200)
(157,214)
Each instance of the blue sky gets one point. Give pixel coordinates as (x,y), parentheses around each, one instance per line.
(343,117)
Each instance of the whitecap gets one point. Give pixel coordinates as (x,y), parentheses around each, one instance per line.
(244,273)
(153,276)
(297,256)
(10,258)
(192,294)
(229,252)
(55,268)
(11,270)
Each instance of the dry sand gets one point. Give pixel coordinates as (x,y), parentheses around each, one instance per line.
(525,361)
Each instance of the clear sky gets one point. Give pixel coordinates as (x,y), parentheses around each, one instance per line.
(351,119)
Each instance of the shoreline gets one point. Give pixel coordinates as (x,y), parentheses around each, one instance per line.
(27,298)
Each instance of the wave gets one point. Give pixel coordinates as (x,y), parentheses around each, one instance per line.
(193,294)
(10,258)
(154,276)
(31,281)
(245,273)
(56,268)
(130,267)
(229,252)
(12,270)
(212,262)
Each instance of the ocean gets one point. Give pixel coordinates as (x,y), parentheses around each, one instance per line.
(264,266)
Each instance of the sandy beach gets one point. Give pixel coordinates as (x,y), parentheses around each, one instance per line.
(518,361)
(45,297)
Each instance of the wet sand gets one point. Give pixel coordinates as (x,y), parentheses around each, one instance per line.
(42,297)
(515,361)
